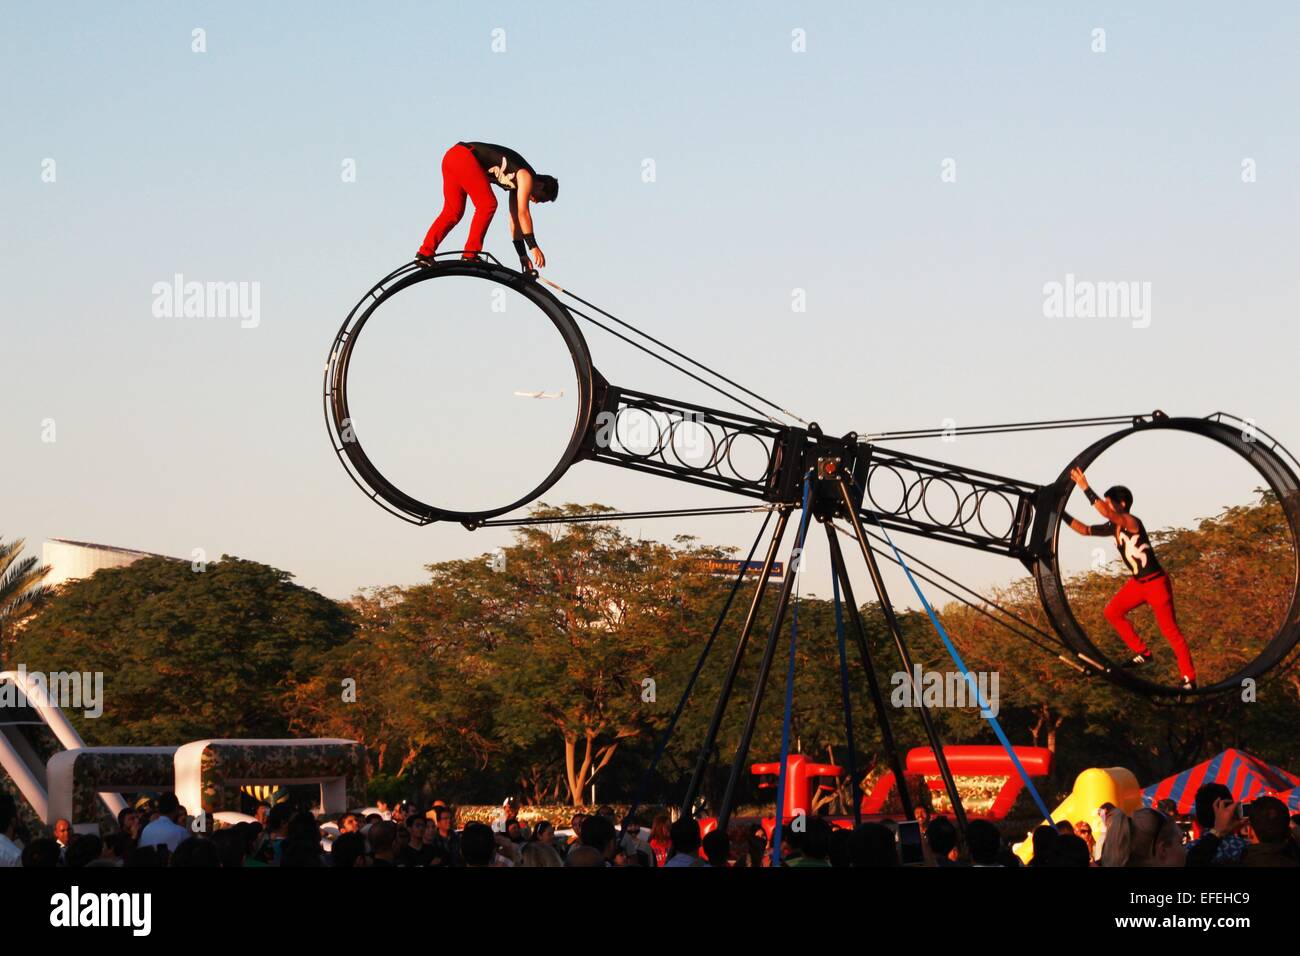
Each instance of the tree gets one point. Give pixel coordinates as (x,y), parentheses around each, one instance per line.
(21,591)
(382,688)
(186,654)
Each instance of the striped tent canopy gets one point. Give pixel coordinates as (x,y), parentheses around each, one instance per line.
(1291,798)
(1245,775)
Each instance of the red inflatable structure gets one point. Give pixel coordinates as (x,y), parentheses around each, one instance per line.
(968,760)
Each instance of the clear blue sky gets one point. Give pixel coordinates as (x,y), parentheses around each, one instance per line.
(775,170)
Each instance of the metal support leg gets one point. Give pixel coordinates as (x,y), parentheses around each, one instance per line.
(737,659)
(873,684)
(756,701)
(905,656)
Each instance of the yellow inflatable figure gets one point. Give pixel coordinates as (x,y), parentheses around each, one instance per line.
(1092,788)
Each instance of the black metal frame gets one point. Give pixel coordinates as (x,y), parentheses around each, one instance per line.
(936,500)
(343,435)
(1263,452)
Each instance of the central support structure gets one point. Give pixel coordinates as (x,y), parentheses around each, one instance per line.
(833,471)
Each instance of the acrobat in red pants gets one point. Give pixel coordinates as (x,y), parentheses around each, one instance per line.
(1155,590)
(461,176)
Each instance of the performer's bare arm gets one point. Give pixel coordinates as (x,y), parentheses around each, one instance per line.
(1103,506)
(1088,530)
(520,216)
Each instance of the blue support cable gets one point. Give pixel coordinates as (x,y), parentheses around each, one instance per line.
(781,781)
(985,711)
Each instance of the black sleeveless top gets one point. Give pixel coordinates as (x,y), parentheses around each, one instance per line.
(1135,548)
(501,163)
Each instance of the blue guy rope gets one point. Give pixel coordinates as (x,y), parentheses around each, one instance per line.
(781,781)
(985,711)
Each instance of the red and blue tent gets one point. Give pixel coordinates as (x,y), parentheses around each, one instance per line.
(1291,798)
(1244,774)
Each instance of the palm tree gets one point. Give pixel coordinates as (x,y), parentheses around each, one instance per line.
(20,589)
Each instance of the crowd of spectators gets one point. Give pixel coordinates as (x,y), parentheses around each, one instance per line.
(158,833)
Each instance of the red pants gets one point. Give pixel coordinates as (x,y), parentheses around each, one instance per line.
(1159,594)
(461,176)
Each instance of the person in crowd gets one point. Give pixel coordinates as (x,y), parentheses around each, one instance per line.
(195,852)
(536,853)
(507,851)
(985,843)
(582,855)
(1217,818)
(1064,827)
(348,823)
(575,824)
(661,841)
(871,844)
(717,848)
(412,850)
(445,845)
(1103,815)
(128,823)
(262,813)
(1083,830)
(922,816)
(41,854)
(146,856)
(382,837)
(478,845)
(11,849)
(277,829)
(166,829)
(63,836)
(685,836)
(300,852)
(349,850)
(1044,840)
(229,845)
(1157,840)
(116,846)
(1272,830)
(544,832)
(599,832)
(630,836)
(840,854)
(1268,820)
(757,841)
(85,849)
(792,840)
(816,844)
(1071,850)
(302,843)
(941,839)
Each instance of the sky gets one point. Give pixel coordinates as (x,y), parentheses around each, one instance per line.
(916,175)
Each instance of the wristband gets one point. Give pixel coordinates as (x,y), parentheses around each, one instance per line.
(521,249)
(529,240)
(1091,495)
